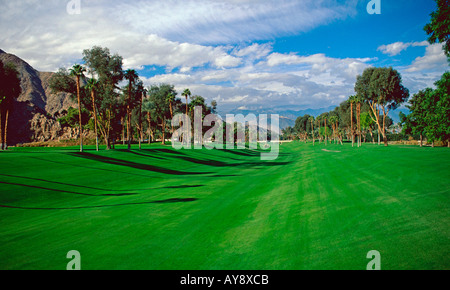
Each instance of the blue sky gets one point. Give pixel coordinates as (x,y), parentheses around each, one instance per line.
(246,54)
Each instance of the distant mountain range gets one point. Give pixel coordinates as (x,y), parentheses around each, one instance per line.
(288,117)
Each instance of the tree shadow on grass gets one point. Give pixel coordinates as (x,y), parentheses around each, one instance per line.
(140,154)
(166,201)
(244,164)
(66,191)
(134,165)
(164,151)
(91,168)
(180,187)
(60,183)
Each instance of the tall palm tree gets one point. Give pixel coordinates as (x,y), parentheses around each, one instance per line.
(358,102)
(186,93)
(352,101)
(78,71)
(130,75)
(141,131)
(319,120)
(311,119)
(92,86)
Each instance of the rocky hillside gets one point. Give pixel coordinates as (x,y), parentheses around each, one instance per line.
(32,118)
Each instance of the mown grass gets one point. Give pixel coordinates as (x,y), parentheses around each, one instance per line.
(159,208)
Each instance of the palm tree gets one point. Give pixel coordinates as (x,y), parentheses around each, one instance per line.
(92,86)
(141,131)
(186,93)
(130,75)
(319,121)
(148,108)
(78,71)
(352,101)
(358,102)
(311,119)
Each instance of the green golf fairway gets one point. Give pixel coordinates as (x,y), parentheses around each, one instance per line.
(160,208)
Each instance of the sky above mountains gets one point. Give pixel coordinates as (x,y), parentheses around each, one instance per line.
(246,54)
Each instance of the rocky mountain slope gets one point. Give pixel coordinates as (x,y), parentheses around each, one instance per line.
(32,116)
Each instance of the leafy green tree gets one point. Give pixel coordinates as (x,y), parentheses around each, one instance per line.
(438,29)
(72,118)
(302,126)
(78,72)
(288,133)
(415,123)
(107,68)
(149,108)
(10,90)
(367,125)
(437,105)
(382,89)
(159,97)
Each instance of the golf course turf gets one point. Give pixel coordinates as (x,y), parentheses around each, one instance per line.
(159,208)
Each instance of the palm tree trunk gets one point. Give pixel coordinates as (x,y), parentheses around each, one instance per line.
(320,127)
(95,118)
(79,113)
(358,112)
(123,131)
(129,117)
(164,131)
(128,129)
(140,121)
(351,122)
(326,133)
(1,129)
(421,140)
(6,130)
(384,128)
(108,146)
(149,128)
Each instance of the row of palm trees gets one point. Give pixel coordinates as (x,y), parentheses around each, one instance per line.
(132,77)
(328,125)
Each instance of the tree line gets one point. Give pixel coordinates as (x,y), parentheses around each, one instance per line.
(378,91)
(130,112)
